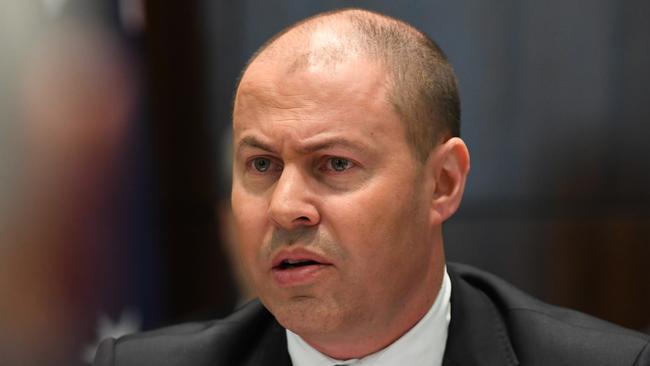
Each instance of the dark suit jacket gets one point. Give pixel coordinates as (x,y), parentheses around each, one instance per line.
(492,323)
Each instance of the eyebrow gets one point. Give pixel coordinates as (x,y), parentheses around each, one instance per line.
(253,142)
(250,141)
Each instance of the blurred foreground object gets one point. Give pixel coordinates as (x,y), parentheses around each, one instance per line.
(69,95)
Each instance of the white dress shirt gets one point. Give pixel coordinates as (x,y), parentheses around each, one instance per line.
(424,344)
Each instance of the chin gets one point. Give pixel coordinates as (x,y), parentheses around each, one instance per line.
(307,316)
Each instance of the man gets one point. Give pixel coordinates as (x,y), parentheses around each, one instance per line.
(347,161)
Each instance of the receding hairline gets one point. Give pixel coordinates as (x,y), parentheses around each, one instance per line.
(336,22)
(298,36)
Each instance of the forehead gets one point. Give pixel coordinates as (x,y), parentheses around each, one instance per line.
(319,80)
(326,92)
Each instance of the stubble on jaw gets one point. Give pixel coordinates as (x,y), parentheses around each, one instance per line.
(320,317)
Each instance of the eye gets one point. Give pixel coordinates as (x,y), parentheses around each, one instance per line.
(338,164)
(262,165)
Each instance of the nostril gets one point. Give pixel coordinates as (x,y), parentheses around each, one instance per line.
(302,220)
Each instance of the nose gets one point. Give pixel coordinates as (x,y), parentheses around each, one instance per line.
(292,202)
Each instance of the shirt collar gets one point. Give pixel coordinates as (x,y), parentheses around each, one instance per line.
(424,344)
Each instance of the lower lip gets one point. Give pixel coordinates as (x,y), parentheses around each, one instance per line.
(298,275)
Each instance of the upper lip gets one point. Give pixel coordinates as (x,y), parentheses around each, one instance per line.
(298,254)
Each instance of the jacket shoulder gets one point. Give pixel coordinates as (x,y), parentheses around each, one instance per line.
(543,334)
(229,341)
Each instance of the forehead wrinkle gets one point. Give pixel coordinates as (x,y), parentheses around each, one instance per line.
(272,94)
(302,141)
(307,147)
(254,142)
(275,140)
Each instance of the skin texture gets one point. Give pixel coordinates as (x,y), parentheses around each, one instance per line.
(322,163)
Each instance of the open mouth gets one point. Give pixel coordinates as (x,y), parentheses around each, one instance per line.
(299,267)
(289,264)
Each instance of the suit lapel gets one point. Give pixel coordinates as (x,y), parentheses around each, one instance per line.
(477,333)
(272,349)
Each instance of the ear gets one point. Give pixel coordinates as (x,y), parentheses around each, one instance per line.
(448,165)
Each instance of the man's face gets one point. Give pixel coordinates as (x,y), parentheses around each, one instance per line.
(331,207)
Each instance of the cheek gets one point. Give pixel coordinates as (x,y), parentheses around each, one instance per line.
(388,210)
(382,229)
(249,214)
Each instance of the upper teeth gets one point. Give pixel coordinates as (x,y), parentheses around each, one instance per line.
(292,261)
